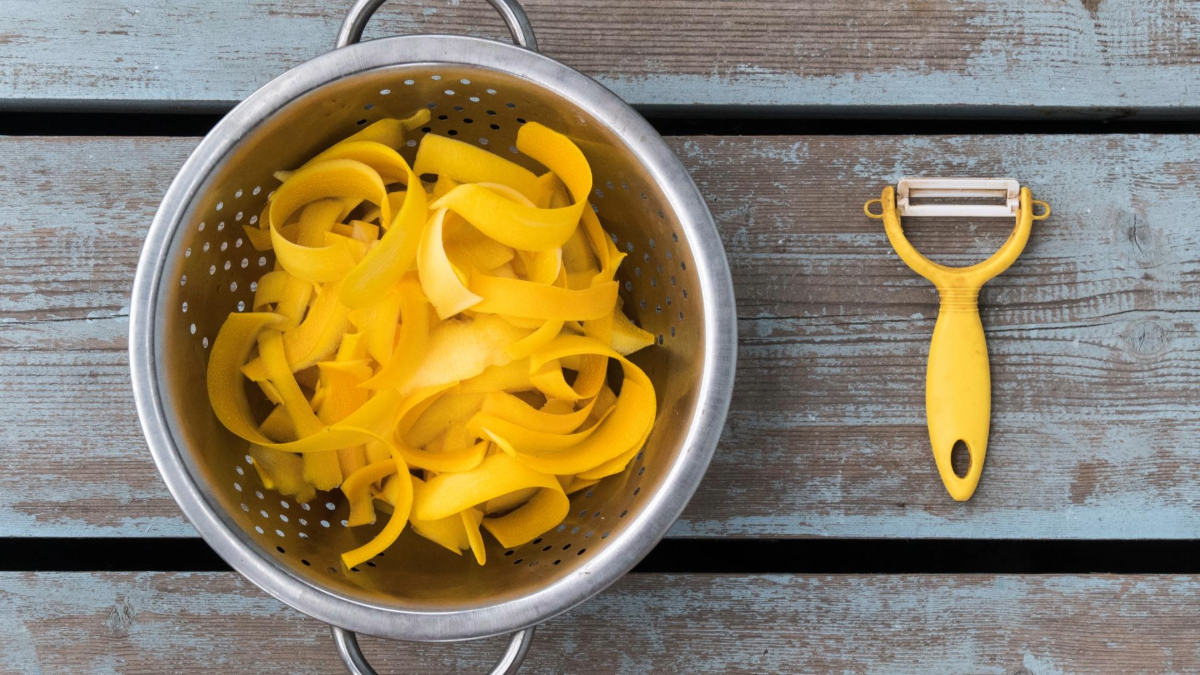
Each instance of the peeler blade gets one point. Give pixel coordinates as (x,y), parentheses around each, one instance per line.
(1006,189)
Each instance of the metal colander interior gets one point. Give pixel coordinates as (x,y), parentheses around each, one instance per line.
(213,269)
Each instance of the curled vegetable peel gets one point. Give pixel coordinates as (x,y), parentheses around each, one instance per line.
(438,352)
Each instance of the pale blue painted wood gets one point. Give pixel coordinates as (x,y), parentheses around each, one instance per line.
(1105,58)
(1095,347)
(885,625)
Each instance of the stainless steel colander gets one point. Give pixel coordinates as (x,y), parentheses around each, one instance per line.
(197,267)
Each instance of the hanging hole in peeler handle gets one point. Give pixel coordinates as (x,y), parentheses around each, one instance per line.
(514,17)
(960,459)
(871,214)
(1045,210)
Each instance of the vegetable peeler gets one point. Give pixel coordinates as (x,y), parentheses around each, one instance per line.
(958,383)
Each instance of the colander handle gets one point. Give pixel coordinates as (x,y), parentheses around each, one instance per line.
(356,663)
(510,10)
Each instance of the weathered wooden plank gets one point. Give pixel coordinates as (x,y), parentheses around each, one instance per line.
(1104,58)
(1093,336)
(1006,625)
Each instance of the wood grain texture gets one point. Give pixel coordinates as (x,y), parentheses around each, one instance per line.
(1093,338)
(1101,58)
(1002,625)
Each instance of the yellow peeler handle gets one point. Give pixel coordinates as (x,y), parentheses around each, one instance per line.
(958,384)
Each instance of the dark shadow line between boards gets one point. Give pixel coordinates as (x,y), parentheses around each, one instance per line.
(669,122)
(698,556)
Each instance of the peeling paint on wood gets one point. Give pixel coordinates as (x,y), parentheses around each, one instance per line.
(1102,59)
(1093,334)
(990,625)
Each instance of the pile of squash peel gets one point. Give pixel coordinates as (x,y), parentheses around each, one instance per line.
(436,350)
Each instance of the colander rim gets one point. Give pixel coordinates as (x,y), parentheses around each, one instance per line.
(713,392)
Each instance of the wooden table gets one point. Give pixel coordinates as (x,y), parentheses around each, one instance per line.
(823,480)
